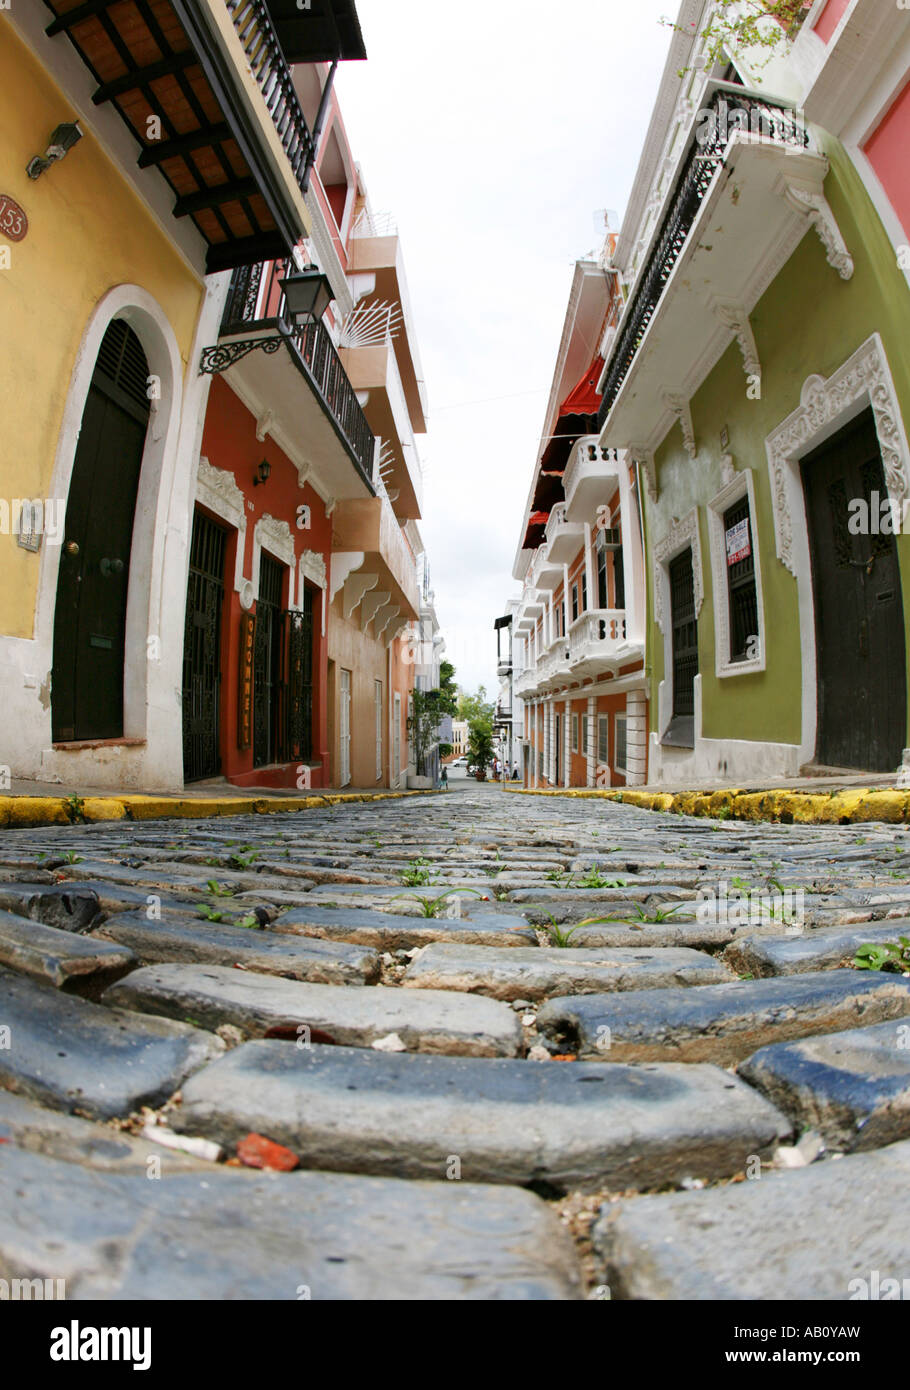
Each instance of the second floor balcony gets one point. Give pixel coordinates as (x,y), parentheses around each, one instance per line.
(564,537)
(749,185)
(328,417)
(598,643)
(591,479)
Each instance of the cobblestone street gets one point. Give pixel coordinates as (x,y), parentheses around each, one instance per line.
(473,1096)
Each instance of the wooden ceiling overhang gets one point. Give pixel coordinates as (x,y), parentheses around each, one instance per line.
(160,59)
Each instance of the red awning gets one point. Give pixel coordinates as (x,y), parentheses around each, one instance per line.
(584,398)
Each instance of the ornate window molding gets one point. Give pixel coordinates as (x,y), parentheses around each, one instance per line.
(679,535)
(739,486)
(825,406)
(277,538)
(217,490)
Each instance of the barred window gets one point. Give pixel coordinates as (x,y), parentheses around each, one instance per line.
(621,742)
(742,598)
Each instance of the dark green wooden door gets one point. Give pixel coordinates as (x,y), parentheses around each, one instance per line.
(859,611)
(90,612)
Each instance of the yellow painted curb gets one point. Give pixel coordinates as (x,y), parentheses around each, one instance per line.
(849,807)
(103,808)
(58,810)
(35,810)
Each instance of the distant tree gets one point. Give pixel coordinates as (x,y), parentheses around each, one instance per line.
(448,690)
(423,724)
(471,707)
(446,750)
(480,745)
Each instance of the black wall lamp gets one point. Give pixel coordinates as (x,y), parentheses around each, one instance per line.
(61,142)
(263,473)
(307,295)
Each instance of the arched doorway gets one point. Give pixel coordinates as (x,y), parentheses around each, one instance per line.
(93,579)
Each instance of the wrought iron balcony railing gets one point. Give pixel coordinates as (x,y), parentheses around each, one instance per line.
(256,300)
(269,67)
(727,111)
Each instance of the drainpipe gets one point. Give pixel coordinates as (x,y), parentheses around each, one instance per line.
(321,115)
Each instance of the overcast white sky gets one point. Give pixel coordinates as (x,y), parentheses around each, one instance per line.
(494,132)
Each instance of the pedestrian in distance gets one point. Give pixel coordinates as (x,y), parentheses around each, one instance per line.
(444,779)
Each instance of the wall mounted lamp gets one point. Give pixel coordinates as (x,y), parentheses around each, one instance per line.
(61,142)
(262,473)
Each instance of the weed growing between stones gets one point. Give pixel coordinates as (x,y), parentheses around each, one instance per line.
(892,957)
(433,907)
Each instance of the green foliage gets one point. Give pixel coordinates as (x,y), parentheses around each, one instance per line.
(418,873)
(595,879)
(423,722)
(217,891)
(472,707)
(893,957)
(72,857)
(75,807)
(448,690)
(446,750)
(432,907)
(480,743)
(763,26)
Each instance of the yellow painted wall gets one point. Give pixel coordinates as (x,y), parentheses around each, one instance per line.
(88,232)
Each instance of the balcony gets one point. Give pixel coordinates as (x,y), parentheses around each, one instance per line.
(591,479)
(749,186)
(545,573)
(373,564)
(373,372)
(597,643)
(328,415)
(564,538)
(237,153)
(375,251)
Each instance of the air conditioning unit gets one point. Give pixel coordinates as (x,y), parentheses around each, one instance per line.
(611,540)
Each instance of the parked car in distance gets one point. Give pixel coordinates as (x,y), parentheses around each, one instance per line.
(459,762)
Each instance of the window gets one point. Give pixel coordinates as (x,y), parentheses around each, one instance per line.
(377,701)
(620,743)
(743,601)
(603,739)
(602,601)
(736,578)
(584,734)
(574,602)
(584,593)
(685,634)
(574,733)
(619,580)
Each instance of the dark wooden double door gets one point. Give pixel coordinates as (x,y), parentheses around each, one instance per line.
(93,578)
(859,612)
(282,666)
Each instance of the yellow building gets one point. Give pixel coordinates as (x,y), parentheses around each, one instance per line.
(142,163)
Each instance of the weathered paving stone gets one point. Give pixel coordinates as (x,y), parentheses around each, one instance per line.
(40,1131)
(115,897)
(815,1233)
(424,1020)
(237,1236)
(534,974)
(81,1057)
(199,942)
(390,932)
(853,1087)
(815,950)
(584,1125)
(698,936)
(720,1023)
(60,958)
(68,906)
